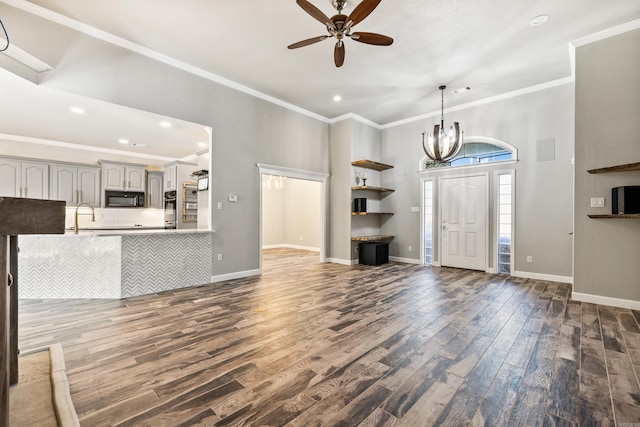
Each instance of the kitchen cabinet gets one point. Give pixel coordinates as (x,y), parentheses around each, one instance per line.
(171,177)
(24,179)
(123,177)
(75,184)
(155,194)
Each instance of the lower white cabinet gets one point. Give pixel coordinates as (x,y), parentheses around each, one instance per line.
(75,184)
(24,179)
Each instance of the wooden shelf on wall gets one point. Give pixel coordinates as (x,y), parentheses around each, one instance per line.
(619,168)
(379,238)
(371,188)
(370,213)
(370,164)
(615,216)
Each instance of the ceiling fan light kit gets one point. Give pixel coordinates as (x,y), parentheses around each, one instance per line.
(443,146)
(339,27)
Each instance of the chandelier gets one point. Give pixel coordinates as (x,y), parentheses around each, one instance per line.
(443,146)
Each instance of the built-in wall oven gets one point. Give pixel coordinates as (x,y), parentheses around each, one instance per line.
(170,207)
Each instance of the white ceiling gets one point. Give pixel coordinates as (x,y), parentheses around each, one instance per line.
(486,44)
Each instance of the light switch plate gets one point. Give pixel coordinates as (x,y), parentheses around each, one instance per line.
(415,209)
(597,202)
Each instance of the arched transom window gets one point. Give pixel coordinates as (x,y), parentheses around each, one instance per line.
(477,151)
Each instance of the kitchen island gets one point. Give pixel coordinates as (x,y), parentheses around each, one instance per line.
(113,263)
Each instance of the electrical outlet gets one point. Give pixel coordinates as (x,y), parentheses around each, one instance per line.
(301,238)
(409,248)
(529,258)
(219,205)
(597,202)
(219,257)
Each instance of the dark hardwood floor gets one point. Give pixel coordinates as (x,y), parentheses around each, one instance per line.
(310,344)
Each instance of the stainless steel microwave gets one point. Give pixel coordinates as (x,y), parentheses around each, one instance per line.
(123,199)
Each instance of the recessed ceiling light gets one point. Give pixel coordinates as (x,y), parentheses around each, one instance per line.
(77,110)
(202,144)
(123,141)
(165,124)
(137,144)
(337,98)
(539,20)
(461,90)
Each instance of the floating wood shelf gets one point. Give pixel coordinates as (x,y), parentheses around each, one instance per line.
(371,188)
(365,239)
(370,164)
(619,168)
(616,216)
(370,213)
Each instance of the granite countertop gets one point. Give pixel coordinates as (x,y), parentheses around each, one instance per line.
(128,230)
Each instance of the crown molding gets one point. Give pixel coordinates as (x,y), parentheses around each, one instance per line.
(356,117)
(489,100)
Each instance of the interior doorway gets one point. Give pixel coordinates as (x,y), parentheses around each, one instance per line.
(293,209)
(464,222)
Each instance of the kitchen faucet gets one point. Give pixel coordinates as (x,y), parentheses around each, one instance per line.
(93,215)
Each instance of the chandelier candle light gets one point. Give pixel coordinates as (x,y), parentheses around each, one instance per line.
(443,146)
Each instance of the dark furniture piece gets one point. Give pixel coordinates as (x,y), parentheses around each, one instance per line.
(18,216)
(374,253)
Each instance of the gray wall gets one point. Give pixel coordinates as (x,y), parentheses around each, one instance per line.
(246,129)
(607,251)
(340,191)
(544,212)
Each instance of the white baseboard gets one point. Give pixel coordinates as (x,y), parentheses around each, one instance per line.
(236,275)
(405,260)
(540,276)
(288,246)
(598,299)
(342,261)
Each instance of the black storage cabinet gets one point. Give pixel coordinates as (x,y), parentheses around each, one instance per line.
(374,253)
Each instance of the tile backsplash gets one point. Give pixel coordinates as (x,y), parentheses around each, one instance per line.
(115,216)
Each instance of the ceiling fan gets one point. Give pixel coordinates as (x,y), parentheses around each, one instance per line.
(339,26)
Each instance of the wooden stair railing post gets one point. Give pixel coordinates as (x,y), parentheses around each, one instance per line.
(18,216)
(4,331)
(13,311)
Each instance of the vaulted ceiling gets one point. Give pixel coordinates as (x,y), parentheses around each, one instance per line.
(488,45)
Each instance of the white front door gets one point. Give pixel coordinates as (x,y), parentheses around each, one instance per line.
(464,222)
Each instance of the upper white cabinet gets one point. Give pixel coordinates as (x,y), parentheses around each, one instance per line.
(75,184)
(24,179)
(124,177)
(171,177)
(155,195)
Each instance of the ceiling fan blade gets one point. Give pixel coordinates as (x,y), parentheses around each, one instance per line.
(362,11)
(372,38)
(307,42)
(338,53)
(313,11)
